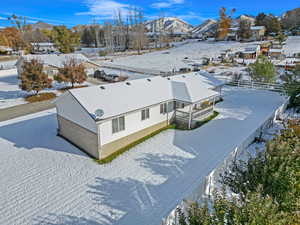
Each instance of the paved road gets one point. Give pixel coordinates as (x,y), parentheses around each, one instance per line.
(24,109)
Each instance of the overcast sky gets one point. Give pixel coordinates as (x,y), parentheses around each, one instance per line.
(72,12)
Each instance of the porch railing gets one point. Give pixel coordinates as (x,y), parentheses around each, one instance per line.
(184,116)
(203,112)
(181,115)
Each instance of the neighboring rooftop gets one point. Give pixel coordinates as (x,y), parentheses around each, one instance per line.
(257,27)
(56,60)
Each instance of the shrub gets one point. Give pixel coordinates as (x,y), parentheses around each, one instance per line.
(40,97)
(102,53)
(263,70)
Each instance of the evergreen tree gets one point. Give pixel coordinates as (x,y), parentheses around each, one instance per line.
(72,72)
(292,87)
(270,22)
(33,78)
(263,70)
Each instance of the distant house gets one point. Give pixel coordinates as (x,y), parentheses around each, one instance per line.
(43,47)
(251,52)
(100,120)
(4,50)
(53,62)
(276,53)
(276,45)
(258,33)
(233,34)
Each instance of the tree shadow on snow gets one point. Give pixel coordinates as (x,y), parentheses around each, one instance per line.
(36,134)
(11,80)
(4,95)
(112,200)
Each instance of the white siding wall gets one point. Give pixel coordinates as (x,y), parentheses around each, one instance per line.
(133,123)
(70,109)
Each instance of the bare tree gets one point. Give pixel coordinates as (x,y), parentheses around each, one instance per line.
(139,35)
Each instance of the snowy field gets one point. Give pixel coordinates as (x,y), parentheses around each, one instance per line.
(173,58)
(47,181)
(292,45)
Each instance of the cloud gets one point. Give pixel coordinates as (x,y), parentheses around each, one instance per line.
(3,18)
(192,16)
(166,4)
(105,9)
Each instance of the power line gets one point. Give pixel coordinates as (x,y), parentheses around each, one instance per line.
(53,21)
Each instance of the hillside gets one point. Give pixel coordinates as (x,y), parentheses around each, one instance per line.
(207,26)
(168,24)
(41,25)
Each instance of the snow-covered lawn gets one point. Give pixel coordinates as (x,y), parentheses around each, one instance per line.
(174,58)
(10,93)
(46,180)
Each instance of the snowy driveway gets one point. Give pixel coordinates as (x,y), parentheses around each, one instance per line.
(45,180)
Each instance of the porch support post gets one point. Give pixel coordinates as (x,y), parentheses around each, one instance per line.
(214,100)
(190,116)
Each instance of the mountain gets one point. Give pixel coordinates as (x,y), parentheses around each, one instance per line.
(168,24)
(41,25)
(207,26)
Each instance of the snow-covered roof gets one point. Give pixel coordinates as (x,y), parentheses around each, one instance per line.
(257,27)
(56,60)
(42,44)
(119,98)
(275,50)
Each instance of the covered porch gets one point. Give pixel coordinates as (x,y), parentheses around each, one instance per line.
(188,114)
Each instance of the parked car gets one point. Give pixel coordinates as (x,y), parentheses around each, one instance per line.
(185,70)
(99,74)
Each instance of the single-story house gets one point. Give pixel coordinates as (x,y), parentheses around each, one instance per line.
(52,62)
(43,47)
(100,120)
(275,53)
(257,33)
(251,52)
(4,50)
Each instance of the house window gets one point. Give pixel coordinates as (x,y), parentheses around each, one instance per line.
(170,106)
(179,105)
(145,113)
(163,108)
(118,124)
